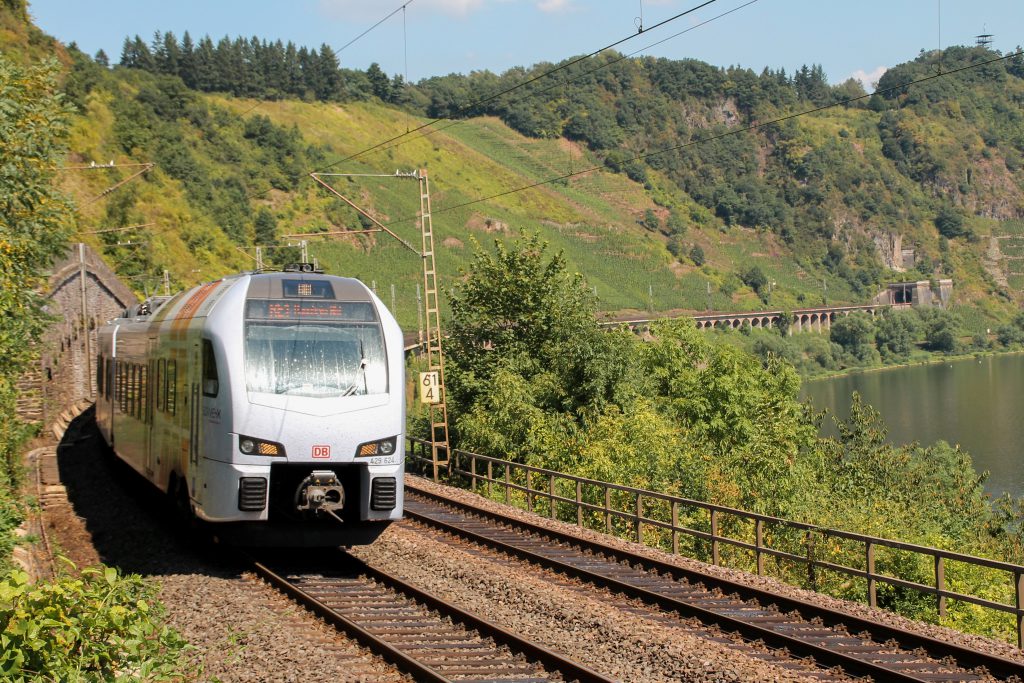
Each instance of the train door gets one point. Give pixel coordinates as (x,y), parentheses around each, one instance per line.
(213,400)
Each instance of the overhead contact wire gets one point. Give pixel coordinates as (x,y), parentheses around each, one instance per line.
(736,131)
(523,84)
(605,65)
(336,52)
(393,13)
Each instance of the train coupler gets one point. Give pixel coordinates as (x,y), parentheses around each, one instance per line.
(320,492)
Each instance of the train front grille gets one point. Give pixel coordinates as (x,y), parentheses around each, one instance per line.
(252,494)
(384,493)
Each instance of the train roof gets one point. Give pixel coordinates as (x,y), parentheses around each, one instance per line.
(261,285)
(279,285)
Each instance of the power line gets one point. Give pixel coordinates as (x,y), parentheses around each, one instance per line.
(123,228)
(523,84)
(551,87)
(735,131)
(393,13)
(494,96)
(338,51)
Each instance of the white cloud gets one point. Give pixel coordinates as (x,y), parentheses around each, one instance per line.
(553,6)
(458,8)
(869,79)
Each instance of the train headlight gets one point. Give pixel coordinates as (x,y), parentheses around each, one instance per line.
(382,447)
(251,446)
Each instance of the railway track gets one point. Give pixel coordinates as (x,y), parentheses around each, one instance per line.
(829,638)
(420,634)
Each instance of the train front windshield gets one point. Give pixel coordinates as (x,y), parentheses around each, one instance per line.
(314,349)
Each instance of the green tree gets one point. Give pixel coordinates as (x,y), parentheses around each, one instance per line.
(697,255)
(895,334)
(755,278)
(950,222)
(741,413)
(675,246)
(676,224)
(521,313)
(891,491)
(379,82)
(35,220)
(650,221)
(941,329)
(855,333)
(265,227)
(785,323)
(1012,332)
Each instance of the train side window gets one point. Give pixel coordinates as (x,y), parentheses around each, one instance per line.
(122,389)
(129,375)
(110,376)
(99,374)
(160,385)
(136,377)
(143,393)
(172,387)
(210,384)
(133,390)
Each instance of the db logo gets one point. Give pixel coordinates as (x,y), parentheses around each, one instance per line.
(321,451)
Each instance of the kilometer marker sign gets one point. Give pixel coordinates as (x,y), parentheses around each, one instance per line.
(430,388)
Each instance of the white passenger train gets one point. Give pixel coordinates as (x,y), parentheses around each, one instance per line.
(270,405)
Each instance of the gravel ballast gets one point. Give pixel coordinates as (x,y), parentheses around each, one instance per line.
(610,635)
(978,643)
(242,630)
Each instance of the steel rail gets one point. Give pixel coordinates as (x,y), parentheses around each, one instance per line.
(551,660)
(391,654)
(938,649)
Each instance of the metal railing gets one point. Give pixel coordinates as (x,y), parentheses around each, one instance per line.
(741,539)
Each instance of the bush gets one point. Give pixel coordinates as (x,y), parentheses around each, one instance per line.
(97,626)
(950,223)
(755,278)
(895,334)
(1013,332)
(855,333)
(1009,335)
(941,329)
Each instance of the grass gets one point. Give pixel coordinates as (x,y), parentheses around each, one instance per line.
(1012,227)
(973,319)
(593,217)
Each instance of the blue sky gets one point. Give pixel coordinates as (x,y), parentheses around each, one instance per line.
(445,36)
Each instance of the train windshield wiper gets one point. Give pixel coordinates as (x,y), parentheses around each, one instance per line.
(362,371)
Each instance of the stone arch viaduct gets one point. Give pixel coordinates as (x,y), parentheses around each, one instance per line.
(801,320)
(82,294)
(896,295)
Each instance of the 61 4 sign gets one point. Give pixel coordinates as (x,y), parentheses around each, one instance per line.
(430,388)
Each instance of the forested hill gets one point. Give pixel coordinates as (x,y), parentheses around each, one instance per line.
(688,208)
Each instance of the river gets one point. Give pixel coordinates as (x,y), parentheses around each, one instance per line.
(977,403)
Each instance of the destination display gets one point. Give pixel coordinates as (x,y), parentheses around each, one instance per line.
(313,289)
(306,309)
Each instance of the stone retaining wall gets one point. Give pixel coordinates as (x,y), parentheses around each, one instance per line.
(83,293)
